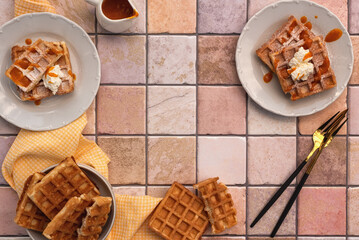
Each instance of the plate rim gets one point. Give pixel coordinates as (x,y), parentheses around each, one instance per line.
(81,110)
(252,95)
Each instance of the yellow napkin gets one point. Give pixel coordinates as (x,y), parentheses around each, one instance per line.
(34,151)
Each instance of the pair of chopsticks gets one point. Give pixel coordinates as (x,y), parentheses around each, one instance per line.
(321,138)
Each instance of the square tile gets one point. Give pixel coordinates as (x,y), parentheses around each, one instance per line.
(226,16)
(239,199)
(322,211)
(223,238)
(121,110)
(128,161)
(353,160)
(261,121)
(355,42)
(171,16)
(78,11)
(132,191)
(8,204)
(353,110)
(171,159)
(221,110)
(5,144)
(257,198)
(224,157)
(265,154)
(6,11)
(171,59)
(330,168)
(353,211)
(308,124)
(123,59)
(268,238)
(139,26)
(321,238)
(216,60)
(160,191)
(91,119)
(171,110)
(354,16)
(7,128)
(255,5)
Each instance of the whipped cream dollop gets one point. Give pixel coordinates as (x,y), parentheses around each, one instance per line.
(52,79)
(301,68)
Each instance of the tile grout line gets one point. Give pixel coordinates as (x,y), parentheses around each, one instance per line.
(196,71)
(296,180)
(246,181)
(146,102)
(347,142)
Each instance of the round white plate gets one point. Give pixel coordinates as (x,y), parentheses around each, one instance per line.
(56,111)
(251,69)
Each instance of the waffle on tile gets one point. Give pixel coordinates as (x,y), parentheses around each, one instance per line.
(219,204)
(65,181)
(40,91)
(288,34)
(68,220)
(323,77)
(27,71)
(95,219)
(28,215)
(180,215)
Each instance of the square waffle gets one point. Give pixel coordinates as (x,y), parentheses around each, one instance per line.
(27,71)
(180,215)
(288,34)
(323,77)
(219,204)
(27,214)
(96,217)
(68,220)
(40,91)
(63,182)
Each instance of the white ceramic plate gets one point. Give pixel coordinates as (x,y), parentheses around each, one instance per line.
(56,111)
(251,70)
(105,190)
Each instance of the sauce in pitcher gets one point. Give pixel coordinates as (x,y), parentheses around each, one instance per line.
(118,9)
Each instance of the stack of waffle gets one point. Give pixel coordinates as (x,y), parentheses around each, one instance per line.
(63,204)
(280,49)
(30,63)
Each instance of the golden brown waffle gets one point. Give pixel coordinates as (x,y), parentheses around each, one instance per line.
(62,183)
(27,71)
(180,215)
(96,217)
(68,220)
(27,214)
(40,91)
(288,34)
(219,204)
(323,77)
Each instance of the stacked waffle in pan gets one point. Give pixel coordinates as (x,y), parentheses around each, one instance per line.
(31,63)
(63,204)
(277,53)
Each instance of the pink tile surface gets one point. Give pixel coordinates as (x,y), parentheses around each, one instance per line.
(355,74)
(5,144)
(226,16)
(160,191)
(123,59)
(265,154)
(132,191)
(121,110)
(91,119)
(353,160)
(223,157)
(325,217)
(7,128)
(8,204)
(221,110)
(353,110)
(216,60)
(353,211)
(6,15)
(354,16)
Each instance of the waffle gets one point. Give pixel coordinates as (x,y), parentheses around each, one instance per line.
(27,214)
(62,183)
(40,91)
(288,34)
(219,204)
(322,79)
(68,220)
(180,215)
(27,71)
(96,217)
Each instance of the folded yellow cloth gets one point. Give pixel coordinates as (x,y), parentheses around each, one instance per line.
(34,151)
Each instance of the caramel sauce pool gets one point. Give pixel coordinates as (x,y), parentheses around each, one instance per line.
(308,25)
(37,102)
(268,77)
(28,41)
(303,19)
(333,35)
(117,9)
